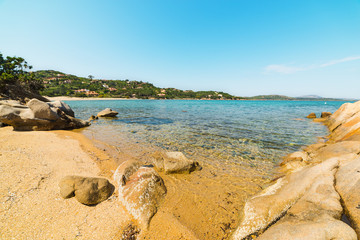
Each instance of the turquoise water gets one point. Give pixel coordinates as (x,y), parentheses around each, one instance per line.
(223,130)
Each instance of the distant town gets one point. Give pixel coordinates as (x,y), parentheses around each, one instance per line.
(61,84)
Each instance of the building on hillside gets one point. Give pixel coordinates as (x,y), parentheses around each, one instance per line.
(112,89)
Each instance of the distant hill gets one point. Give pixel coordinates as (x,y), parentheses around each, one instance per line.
(271,97)
(60,84)
(310,96)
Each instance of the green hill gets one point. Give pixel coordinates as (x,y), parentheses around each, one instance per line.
(60,84)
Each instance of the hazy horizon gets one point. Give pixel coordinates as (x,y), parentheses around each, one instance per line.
(245,48)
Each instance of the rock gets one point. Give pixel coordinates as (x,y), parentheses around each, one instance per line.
(141,190)
(125,170)
(36,116)
(325,114)
(348,186)
(335,150)
(88,191)
(270,204)
(42,110)
(315,216)
(107,113)
(173,162)
(343,114)
(311,115)
(295,160)
(92,118)
(63,107)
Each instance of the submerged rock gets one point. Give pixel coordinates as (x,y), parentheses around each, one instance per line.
(141,190)
(38,116)
(107,112)
(311,115)
(92,118)
(88,191)
(174,162)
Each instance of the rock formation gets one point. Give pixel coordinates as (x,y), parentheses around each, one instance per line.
(38,115)
(107,112)
(88,191)
(173,162)
(321,183)
(141,190)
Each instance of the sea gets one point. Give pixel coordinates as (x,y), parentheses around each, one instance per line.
(216,130)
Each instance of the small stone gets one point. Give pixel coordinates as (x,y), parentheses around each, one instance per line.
(311,115)
(87,190)
(107,113)
(174,162)
(325,114)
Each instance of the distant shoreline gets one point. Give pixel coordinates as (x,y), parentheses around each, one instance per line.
(67,98)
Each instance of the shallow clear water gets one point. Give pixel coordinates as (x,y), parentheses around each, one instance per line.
(224,130)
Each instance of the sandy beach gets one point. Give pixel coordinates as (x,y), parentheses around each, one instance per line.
(31,166)
(33,163)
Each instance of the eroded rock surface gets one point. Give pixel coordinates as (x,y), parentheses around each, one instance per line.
(86,190)
(141,190)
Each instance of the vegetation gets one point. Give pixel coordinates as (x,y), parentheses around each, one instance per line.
(16,81)
(61,84)
(13,71)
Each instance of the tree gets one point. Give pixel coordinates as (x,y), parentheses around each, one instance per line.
(91,77)
(13,71)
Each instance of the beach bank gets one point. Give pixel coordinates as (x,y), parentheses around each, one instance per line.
(32,165)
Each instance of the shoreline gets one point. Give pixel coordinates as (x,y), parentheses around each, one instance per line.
(193,202)
(67,98)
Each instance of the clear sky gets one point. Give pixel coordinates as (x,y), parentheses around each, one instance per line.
(244,47)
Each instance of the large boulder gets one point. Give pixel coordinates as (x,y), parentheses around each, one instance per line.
(107,112)
(173,162)
(63,107)
(37,115)
(141,190)
(87,190)
(42,110)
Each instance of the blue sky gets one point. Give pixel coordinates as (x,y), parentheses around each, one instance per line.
(244,47)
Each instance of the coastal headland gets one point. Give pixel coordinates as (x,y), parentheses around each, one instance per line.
(314,195)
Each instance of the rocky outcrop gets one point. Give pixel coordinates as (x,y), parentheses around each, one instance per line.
(141,190)
(173,162)
(107,112)
(86,190)
(311,115)
(37,115)
(321,182)
(63,107)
